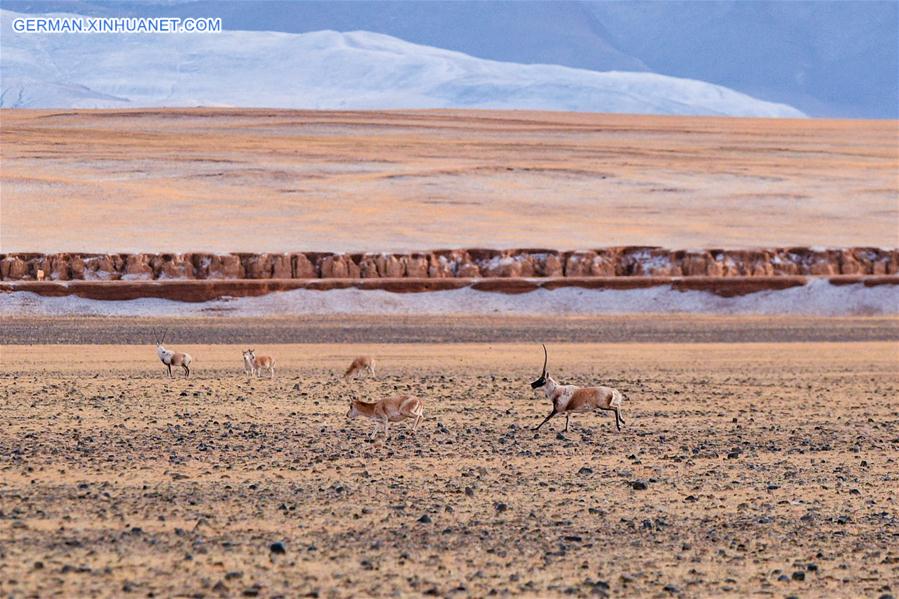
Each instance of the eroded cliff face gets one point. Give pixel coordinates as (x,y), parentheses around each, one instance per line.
(444,264)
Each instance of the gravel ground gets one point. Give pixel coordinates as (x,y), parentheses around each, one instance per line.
(460,329)
(742,469)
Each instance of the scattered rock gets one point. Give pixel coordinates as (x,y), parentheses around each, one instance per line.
(277,548)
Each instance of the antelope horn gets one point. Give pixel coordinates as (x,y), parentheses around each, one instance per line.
(545,360)
(164,333)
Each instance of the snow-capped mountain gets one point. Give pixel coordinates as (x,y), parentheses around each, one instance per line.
(325,70)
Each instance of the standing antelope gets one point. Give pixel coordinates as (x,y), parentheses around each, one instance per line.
(254,364)
(172,358)
(394,409)
(360,363)
(568,399)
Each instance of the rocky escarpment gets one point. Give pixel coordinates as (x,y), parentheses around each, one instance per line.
(445,264)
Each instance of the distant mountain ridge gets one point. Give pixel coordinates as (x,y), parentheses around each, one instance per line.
(325,70)
(827,58)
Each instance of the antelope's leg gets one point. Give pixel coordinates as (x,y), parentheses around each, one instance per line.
(386,428)
(567,421)
(417,420)
(545,420)
(169,366)
(186,370)
(614,409)
(273,373)
(618,420)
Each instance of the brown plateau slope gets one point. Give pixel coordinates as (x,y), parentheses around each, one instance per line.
(219,180)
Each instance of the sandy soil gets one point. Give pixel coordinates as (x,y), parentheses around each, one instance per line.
(258,180)
(769,468)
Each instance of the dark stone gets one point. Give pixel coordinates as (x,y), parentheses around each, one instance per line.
(425,519)
(638,485)
(278,548)
(798,575)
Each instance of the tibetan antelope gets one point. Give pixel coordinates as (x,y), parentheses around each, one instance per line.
(254,364)
(568,399)
(394,409)
(359,364)
(172,358)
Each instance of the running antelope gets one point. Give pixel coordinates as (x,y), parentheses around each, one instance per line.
(394,409)
(172,358)
(568,399)
(359,364)
(254,364)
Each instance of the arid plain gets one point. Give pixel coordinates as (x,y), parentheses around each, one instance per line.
(745,467)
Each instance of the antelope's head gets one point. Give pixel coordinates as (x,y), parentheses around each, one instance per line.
(353,411)
(160,349)
(248,355)
(543,375)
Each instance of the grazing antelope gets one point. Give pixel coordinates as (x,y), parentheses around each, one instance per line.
(360,363)
(568,399)
(254,364)
(394,409)
(172,358)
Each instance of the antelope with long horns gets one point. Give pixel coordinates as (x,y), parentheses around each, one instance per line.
(394,409)
(254,364)
(568,399)
(359,364)
(172,358)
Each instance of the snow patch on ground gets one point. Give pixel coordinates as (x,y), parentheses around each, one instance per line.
(818,298)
